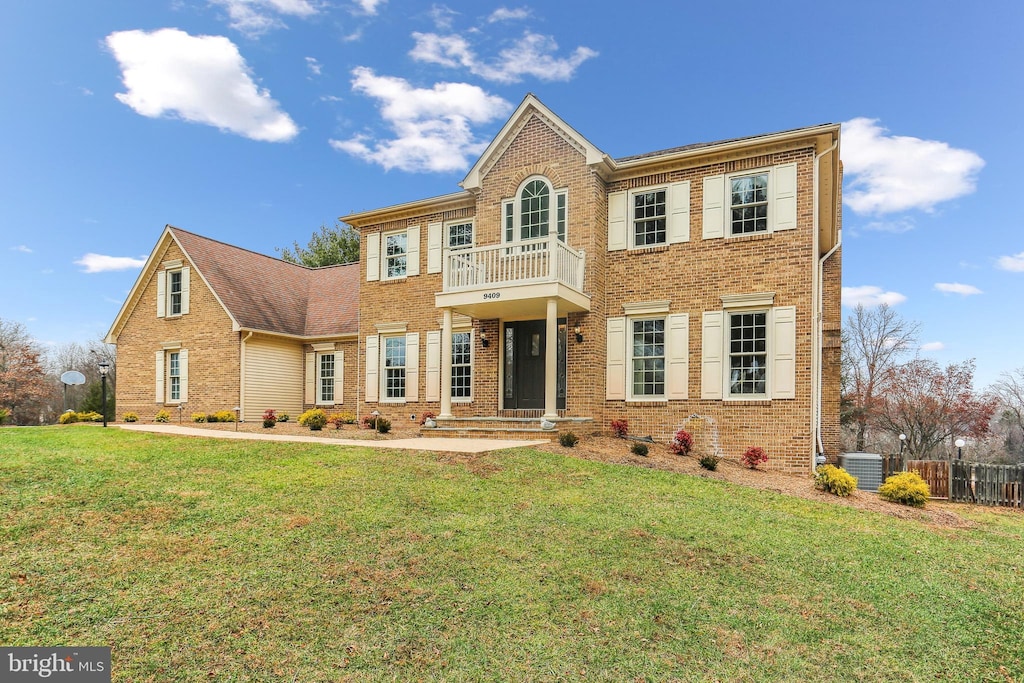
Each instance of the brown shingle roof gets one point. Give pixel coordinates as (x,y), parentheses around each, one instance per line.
(266,294)
(699,145)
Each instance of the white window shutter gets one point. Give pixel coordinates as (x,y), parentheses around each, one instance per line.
(783,379)
(616,221)
(186,272)
(678,348)
(312,375)
(161,293)
(160,395)
(183,374)
(373,257)
(615,381)
(679,216)
(372,365)
(433,366)
(711,378)
(714,206)
(339,376)
(783,209)
(434,249)
(412,366)
(412,257)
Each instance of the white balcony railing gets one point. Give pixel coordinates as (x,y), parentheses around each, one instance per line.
(538,260)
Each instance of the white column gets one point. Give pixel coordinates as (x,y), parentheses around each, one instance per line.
(551,362)
(446,364)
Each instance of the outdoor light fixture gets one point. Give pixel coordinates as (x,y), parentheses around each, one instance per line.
(238,416)
(104,367)
(579,333)
(483,340)
(903,441)
(959,443)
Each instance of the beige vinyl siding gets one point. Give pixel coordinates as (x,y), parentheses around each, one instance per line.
(273,377)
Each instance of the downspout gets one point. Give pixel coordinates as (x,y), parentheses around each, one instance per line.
(241,377)
(817,298)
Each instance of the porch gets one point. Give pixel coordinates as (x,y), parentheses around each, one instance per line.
(506,426)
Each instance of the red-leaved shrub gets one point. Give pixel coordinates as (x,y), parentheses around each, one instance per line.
(682,442)
(754,456)
(620,427)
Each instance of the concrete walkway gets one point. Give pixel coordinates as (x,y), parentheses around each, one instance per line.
(417,444)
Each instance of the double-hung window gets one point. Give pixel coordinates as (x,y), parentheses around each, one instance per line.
(748,353)
(649,218)
(174,377)
(756,202)
(394,367)
(648,357)
(462,365)
(325,379)
(174,287)
(460,235)
(749,203)
(395,252)
(535,211)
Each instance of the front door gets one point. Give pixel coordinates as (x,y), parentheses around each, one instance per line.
(525,345)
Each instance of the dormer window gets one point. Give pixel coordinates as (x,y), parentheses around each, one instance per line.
(536,207)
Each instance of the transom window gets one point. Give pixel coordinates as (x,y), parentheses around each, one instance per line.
(325,389)
(462,365)
(396,247)
(460,235)
(748,353)
(648,357)
(174,285)
(394,367)
(174,376)
(649,216)
(749,204)
(529,215)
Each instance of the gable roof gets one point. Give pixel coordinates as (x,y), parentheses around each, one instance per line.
(261,293)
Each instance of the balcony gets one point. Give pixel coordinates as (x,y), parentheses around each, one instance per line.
(513,280)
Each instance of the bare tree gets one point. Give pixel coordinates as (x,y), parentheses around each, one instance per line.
(874,340)
(1009,389)
(24,386)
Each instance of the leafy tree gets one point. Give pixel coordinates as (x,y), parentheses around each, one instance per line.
(1009,389)
(94,400)
(931,405)
(24,387)
(329,247)
(874,340)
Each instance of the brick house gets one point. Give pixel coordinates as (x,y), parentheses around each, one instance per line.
(565,285)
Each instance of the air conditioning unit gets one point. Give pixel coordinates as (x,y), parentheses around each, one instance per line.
(867,467)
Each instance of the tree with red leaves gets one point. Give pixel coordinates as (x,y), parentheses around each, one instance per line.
(24,386)
(933,405)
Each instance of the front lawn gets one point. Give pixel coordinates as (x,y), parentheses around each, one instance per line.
(200,559)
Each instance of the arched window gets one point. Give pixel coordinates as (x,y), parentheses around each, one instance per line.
(535,211)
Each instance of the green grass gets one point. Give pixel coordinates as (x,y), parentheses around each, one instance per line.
(199,559)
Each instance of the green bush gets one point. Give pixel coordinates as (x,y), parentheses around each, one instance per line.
(130,417)
(906,488)
(4,414)
(201,417)
(284,417)
(269,418)
(343,418)
(90,416)
(383,425)
(315,419)
(162,416)
(832,479)
(222,416)
(68,417)
(639,449)
(709,461)
(568,439)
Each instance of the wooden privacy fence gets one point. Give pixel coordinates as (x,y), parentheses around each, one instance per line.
(972,482)
(935,473)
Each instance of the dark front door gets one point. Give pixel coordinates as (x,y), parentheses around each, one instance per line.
(525,345)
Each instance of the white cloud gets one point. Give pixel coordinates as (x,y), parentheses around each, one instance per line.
(85,91)
(315,67)
(256,17)
(531,55)
(369,6)
(890,173)
(330,98)
(506,14)
(897,226)
(956,288)
(932,346)
(442,16)
(432,127)
(98,263)
(201,79)
(22,248)
(1014,264)
(870,296)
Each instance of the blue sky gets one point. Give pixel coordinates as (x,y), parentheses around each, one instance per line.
(255,121)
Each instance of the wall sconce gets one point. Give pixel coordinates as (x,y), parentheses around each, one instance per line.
(579,334)
(484,342)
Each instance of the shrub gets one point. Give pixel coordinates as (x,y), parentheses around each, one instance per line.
(201,417)
(906,488)
(754,456)
(90,416)
(162,416)
(709,461)
(68,417)
(568,439)
(832,479)
(269,418)
(284,417)
(682,442)
(130,417)
(368,422)
(620,427)
(4,414)
(427,415)
(383,425)
(639,449)
(338,419)
(315,419)
(224,416)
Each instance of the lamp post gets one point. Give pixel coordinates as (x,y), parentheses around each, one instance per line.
(238,416)
(959,443)
(104,367)
(903,442)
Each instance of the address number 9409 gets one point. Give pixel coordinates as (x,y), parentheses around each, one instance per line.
(492,295)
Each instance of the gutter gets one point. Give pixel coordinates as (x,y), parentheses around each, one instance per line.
(241,377)
(818,337)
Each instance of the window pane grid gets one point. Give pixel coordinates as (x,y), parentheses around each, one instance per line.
(560,216)
(460,235)
(462,372)
(327,378)
(533,211)
(749,204)
(748,353)
(174,371)
(175,287)
(394,367)
(395,253)
(649,218)
(649,357)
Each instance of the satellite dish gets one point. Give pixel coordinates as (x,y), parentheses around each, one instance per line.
(72,377)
